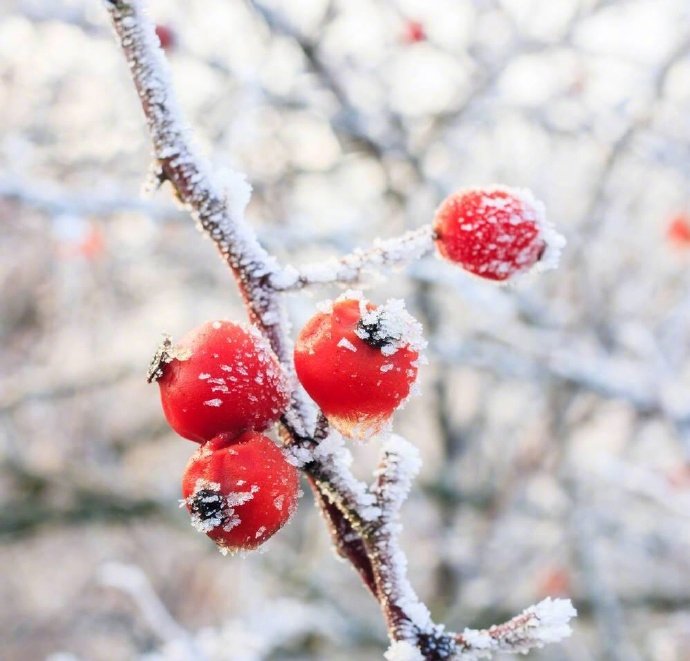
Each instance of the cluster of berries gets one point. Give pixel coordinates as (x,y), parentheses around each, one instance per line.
(222,385)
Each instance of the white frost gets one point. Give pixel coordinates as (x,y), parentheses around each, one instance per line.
(546,622)
(346,344)
(238,190)
(384,254)
(401,650)
(337,459)
(392,321)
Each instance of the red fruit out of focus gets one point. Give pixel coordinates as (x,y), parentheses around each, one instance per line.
(93,245)
(166,36)
(240,491)
(554,581)
(414,32)
(223,378)
(495,232)
(358,362)
(678,231)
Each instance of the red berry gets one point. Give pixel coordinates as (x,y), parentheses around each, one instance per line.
(678,231)
(358,362)
(414,32)
(166,36)
(240,492)
(553,581)
(495,232)
(223,378)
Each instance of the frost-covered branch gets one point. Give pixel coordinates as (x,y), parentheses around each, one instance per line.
(133,581)
(329,463)
(23,391)
(47,197)
(399,465)
(384,254)
(364,522)
(546,622)
(594,371)
(409,620)
(351,120)
(416,636)
(375,515)
(257,633)
(372,516)
(218,206)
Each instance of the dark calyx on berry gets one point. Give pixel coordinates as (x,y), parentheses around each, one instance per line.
(207,504)
(163,356)
(375,334)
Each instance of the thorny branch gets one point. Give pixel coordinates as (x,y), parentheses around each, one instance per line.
(363,521)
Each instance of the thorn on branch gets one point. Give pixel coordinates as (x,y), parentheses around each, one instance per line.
(155,178)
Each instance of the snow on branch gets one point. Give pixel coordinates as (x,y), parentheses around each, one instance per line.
(546,622)
(588,369)
(133,581)
(52,200)
(373,515)
(384,254)
(218,206)
(409,620)
(400,463)
(332,461)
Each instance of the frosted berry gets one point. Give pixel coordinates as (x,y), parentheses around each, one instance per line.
(495,232)
(240,491)
(166,36)
(220,378)
(358,362)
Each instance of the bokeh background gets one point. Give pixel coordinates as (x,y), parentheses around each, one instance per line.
(555,416)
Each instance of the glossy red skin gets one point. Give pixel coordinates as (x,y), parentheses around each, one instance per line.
(467,235)
(166,36)
(349,387)
(237,465)
(233,360)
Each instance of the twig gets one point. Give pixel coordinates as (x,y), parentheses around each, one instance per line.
(536,626)
(50,199)
(384,254)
